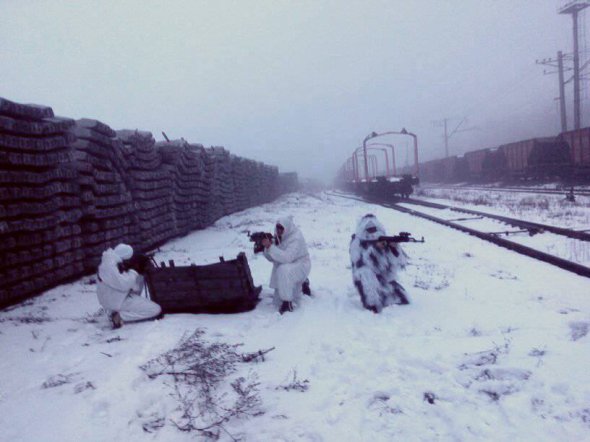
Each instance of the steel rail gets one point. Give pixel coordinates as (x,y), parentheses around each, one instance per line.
(519,248)
(563,192)
(575,234)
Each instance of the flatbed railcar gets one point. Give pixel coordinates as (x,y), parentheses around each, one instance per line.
(383,187)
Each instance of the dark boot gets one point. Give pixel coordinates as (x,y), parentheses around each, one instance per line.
(116,320)
(286,306)
(305,288)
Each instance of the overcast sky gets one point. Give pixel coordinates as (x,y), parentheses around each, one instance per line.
(297,84)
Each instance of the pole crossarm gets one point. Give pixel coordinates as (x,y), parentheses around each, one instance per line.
(457,128)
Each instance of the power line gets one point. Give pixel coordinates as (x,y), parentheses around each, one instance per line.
(447,136)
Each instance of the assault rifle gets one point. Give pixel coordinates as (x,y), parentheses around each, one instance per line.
(139,262)
(401,237)
(257,238)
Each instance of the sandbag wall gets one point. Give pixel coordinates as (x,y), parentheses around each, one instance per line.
(69,189)
(185,164)
(288,182)
(40,211)
(108,214)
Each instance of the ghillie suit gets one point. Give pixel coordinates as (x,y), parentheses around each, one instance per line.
(375,266)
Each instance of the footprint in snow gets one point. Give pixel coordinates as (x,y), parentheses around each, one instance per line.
(579,329)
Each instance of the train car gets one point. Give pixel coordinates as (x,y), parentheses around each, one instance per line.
(429,171)
(404,185)
(579,150)
(494,165)
(461,169)
(442,170)
(381,187)
(404,170)
(565,156)
(438,169)
(517,155)
(474,161)
(549,159)
(448,169)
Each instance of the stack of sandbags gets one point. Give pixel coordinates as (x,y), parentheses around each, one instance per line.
(251,186)
(202,219)
(151,189)
(239,168)
(107,203)
(39,202)
(270,181)
(213,171)
(185,166)
(225,180)
(288,182)
(256,182)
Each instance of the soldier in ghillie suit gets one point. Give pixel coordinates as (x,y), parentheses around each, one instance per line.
(375,265)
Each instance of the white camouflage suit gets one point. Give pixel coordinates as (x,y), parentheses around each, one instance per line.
(291,263)
(374,268)
(120,291)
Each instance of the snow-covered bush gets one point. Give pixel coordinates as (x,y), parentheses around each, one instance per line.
(201,374)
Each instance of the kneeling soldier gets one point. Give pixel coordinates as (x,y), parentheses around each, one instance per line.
(375,265)
(291,263)
(119,290)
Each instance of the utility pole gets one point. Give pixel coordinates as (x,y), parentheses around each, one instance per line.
(447,136)
(576,73)
(561,92)
(574,8)
(446,139)
(560,71)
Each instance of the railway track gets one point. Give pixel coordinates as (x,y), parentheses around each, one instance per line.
(497,238)
(531,190)
(532,227)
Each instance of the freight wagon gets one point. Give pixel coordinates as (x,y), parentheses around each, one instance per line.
(579,150)
(474,161)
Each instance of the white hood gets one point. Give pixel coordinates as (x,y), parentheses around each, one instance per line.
(366,222)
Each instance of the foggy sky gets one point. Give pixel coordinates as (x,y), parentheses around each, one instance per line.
(297,84)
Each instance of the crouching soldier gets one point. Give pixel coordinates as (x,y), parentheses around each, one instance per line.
(291,263)
(119,290)
(375,265)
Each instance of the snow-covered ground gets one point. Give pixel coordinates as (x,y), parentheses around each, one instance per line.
(546,209)
(495,346)
(541,208)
